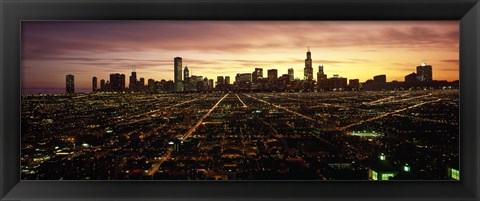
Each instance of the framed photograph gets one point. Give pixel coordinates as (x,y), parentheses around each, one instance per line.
(239,100)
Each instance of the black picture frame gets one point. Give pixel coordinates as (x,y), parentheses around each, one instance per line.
(12,12)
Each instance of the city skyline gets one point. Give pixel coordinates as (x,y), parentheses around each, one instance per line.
(88,54)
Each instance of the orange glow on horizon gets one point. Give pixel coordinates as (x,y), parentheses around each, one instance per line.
(355,50)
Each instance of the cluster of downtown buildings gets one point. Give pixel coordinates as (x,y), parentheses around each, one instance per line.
(255,81)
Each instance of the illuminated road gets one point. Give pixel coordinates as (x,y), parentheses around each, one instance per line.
(157,165)
(283,108)
(388,100)
(168,154)
(379,100)
(147,114)
(443,121)
(241,100)
(317,104)
(295,113)
(194,128)
(387,114)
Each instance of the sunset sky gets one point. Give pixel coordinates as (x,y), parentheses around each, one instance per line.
(351,49)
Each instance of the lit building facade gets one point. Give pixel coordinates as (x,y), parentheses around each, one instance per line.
(424,72)
(381,169)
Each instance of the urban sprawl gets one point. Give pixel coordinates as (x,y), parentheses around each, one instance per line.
(255,128)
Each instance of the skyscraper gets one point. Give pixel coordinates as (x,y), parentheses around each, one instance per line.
(186,73)
(70,84)
(116,82)
(220,81)
(243,78)
(321,78)
(290,74)
(272,74)
(257,74)
(102,84)
(122,82)
(133,81)
(227,80)
(210,84)
(177,70)
(380,79)
(308,70)
(151,85)
(94,84)
(354,84)
(424,72)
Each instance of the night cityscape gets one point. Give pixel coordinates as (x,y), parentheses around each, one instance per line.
(263,124)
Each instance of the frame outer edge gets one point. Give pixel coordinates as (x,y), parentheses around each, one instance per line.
(4,189)
(472,52)
(2,152)
(476,190)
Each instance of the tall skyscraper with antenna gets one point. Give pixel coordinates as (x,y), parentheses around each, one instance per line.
(308,70)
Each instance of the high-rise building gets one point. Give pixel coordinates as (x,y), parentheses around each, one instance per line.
(290,74)
(102,84)
(141,83)
(227,80)
(380,79)
(210,84)
(116,82)
(122,82)
(257,74)
(151,85)
(220,80)
(70,84)
(424,72)
(177,71)
(133,81)
(94,84)
(186,73)
(243,78)
(308,70)
(321,78)
(336,83)
(354,84)
(272,74)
